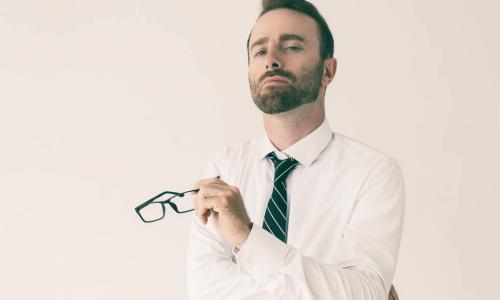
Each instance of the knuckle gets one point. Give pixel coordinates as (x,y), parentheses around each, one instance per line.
(232,190)
(227,193)
(201,191)
(225,201)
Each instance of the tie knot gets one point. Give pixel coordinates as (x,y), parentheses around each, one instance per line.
(282,167)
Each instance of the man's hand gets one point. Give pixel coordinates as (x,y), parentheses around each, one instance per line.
(223,203)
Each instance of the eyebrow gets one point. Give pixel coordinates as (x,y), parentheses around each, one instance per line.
(283,38)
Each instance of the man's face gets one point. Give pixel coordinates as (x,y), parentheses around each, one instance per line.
(285,69)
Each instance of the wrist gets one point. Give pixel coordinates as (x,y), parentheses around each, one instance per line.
(245,236)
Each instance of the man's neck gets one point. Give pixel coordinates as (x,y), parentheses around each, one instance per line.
(285,129)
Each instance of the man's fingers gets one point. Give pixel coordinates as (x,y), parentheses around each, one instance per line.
(203,219)
(201,209)
(209,198)
(202,182)
(217,189)
(204,207)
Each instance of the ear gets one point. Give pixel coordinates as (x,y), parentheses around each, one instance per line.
(330,68)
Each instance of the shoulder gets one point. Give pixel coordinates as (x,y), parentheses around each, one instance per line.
(372,168)
(360,151)
(231,162)
(237,153)
(354,156)
(244,148)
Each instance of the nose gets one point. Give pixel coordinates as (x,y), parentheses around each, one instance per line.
(272,62)
(272,65)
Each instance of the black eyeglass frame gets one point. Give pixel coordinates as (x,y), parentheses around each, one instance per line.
(167,201)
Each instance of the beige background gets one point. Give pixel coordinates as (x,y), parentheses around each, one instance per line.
(106,103)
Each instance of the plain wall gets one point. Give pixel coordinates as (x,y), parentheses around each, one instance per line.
(107,103)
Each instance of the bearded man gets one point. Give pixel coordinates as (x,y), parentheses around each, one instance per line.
(303,213)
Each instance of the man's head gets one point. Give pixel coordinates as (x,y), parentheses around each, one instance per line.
(290,56)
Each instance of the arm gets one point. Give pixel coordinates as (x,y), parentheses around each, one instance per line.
(366,258)
(211,270)
(264,266)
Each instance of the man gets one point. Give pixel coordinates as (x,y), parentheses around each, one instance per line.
(303,213)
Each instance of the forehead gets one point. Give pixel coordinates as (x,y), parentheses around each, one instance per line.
(280,21)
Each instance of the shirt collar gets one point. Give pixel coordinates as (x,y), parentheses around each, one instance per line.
(306,150)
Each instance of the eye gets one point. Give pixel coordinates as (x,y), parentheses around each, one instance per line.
(260,52)
(292,49)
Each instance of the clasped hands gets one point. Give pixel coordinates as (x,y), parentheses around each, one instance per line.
(224,205)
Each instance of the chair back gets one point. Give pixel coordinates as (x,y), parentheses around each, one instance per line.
(392,294)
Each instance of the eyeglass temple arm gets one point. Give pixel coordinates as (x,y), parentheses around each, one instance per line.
(174,206)
(158,196)
(176,194)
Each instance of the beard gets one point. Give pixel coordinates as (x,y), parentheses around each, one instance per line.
(303,89)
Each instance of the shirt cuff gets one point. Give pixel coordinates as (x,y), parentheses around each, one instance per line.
(261,254)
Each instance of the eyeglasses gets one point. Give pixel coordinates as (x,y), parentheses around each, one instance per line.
(154,209)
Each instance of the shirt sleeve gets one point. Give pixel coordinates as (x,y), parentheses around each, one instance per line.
(212,272)
(366,258)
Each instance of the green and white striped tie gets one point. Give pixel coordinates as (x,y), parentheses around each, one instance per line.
(275,219)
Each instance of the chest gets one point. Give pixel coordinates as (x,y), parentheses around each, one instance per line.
(320,203)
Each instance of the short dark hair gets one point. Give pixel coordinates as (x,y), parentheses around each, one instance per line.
(306,8)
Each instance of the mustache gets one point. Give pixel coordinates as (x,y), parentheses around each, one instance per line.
(277,72)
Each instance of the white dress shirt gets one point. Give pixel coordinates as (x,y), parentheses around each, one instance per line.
(346,211)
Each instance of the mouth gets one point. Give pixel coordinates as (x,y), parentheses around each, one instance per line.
(275,80)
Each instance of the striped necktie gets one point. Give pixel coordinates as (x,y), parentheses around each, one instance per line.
(276,217)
